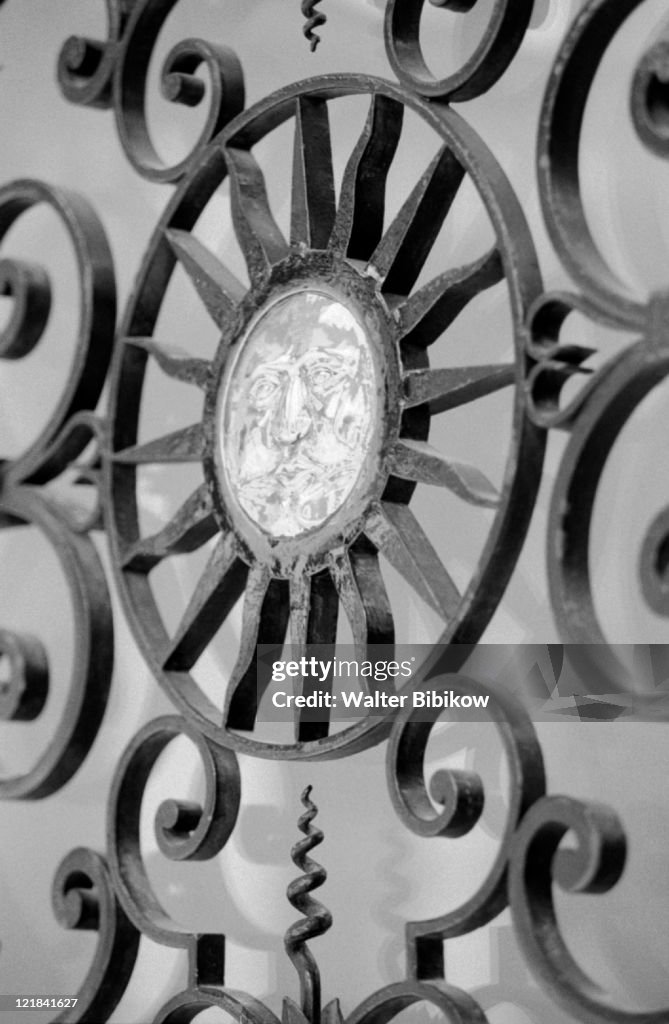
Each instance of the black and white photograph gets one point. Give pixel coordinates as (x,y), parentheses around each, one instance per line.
(334,511)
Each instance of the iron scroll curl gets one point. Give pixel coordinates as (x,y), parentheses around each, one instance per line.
(596,417)
(594,867)
(93,653)
(605,295)
(114,74)
(184,831)
(451,804)
(84,899)
(69,429)
(28,285)
(501,40)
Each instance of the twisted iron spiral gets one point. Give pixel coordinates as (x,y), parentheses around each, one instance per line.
(314,20)
(317,919)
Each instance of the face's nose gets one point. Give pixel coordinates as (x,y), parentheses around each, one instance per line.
(294,420)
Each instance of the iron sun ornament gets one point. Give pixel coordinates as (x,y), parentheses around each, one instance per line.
(318,403)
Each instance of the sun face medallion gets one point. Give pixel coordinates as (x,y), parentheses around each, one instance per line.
(297,414)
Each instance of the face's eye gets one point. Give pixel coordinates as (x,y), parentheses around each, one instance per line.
(323,377)
(263,390)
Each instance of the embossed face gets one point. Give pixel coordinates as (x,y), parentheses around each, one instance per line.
(297,413)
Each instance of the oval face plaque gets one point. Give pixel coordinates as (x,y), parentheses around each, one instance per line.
(297,413)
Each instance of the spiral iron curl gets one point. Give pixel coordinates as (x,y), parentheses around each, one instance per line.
(314,19)
(317,919)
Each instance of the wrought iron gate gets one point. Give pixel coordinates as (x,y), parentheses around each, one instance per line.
(333,384)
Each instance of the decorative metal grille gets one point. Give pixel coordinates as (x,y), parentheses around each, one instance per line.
(320,407)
